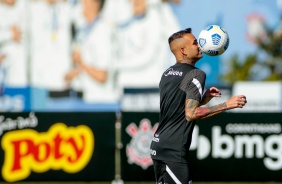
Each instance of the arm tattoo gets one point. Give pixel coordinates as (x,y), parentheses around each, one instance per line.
(215,110)
(193,111)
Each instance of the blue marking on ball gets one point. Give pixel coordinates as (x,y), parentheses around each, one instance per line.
(216,39)
(202,42)
(209,28)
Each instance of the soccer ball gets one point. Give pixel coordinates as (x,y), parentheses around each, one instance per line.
(213,40)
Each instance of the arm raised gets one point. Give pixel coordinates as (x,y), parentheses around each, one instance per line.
(193,111)
(209,94)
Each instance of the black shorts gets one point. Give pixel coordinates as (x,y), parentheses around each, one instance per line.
(171,172)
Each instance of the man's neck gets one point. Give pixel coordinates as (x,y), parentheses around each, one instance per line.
(186,62)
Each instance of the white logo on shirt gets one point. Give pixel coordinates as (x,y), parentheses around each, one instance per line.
(170,71)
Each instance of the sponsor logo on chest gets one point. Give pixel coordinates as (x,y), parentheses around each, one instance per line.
(170,71)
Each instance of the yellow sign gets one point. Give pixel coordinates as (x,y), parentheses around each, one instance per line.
(61,148)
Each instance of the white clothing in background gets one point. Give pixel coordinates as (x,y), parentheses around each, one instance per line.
(14,65)
(117,11)
(95,44)
(169,19)
(169,22)
(51,44)
(141,51)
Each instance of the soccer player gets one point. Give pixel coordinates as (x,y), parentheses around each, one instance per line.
(181,100)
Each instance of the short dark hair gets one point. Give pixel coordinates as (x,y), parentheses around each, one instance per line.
(179,34)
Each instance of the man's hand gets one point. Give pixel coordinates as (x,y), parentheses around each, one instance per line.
(213,92)
(16,33)
(236,102)
(209,94)
(76,56)
(71,75)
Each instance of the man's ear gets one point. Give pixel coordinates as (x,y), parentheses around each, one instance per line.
(183,51)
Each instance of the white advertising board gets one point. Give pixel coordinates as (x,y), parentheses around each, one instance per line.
(261,96)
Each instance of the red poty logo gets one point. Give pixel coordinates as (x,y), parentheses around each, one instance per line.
(138,150)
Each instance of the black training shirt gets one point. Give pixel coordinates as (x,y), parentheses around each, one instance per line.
(172,139)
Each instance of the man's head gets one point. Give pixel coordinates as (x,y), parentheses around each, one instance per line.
(184,46)
(95,5)
(10,2)
(139,7)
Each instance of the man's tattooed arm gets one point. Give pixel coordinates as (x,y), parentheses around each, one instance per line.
(193,111)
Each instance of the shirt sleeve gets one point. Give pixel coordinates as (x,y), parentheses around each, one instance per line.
(193,84)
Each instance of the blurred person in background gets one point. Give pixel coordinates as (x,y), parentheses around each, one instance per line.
(2,77)
(169,21)
(13,37)
(117,11)
(142,50)
(93,55)
(50,45)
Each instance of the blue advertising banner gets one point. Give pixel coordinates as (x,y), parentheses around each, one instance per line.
(15,99)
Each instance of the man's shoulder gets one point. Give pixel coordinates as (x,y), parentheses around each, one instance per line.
(198,72)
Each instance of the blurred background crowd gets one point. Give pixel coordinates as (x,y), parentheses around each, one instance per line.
(90,48)
(90,51)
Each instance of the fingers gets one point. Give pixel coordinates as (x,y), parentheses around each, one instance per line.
(214,92)
(214,89)
(241,101)
(237,102)
(242,96)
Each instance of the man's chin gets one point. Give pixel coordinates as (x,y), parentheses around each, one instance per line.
(200,56)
